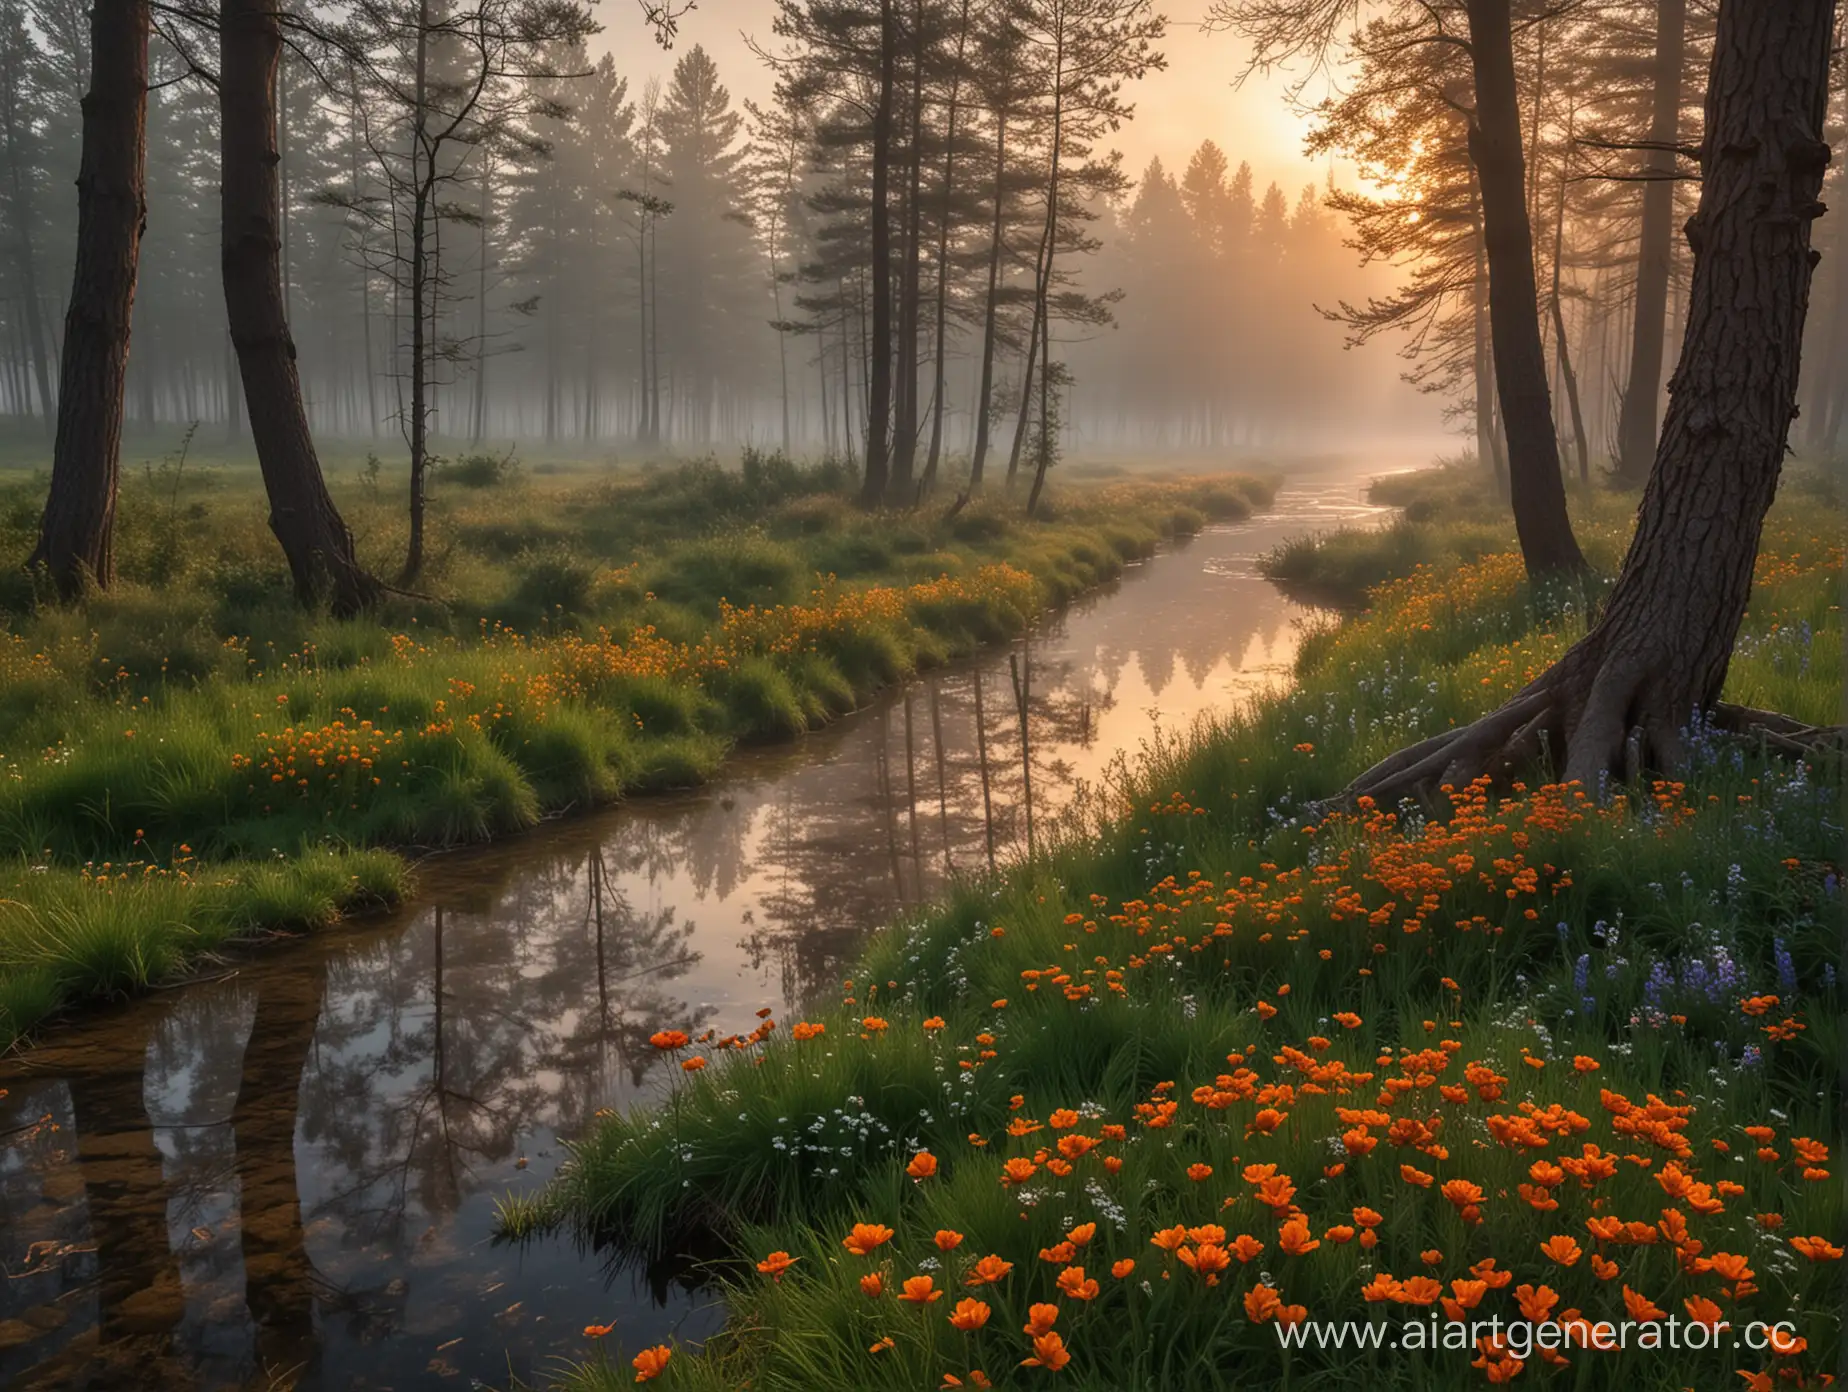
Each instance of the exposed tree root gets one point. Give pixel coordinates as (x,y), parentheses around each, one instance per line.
(1582,724)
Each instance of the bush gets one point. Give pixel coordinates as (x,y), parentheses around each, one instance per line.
(480,470)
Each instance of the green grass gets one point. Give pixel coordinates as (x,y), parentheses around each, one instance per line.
(585,635)
(1447,516)
(111,930)
(1167,941)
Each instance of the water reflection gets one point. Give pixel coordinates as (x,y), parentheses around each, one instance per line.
(286,1176)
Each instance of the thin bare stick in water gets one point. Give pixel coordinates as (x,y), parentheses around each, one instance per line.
(883,770)
(911,800)
(981,750)
(1022,668)
(943,803)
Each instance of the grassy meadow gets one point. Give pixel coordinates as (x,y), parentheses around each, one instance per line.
(192,757)
(1130,1115)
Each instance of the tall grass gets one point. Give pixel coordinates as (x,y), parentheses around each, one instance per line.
(593,638)
(1195,980)
(111,930)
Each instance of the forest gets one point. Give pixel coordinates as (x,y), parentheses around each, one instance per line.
(797,726)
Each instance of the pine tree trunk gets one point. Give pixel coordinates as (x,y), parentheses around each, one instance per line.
(1563,350)
(26,260)
(77,530)
(984,396)
(1636,427)
(879,403)
(1624,697)
(314,537)
(423,179)
(1535,488)
(899,487)
(932,459)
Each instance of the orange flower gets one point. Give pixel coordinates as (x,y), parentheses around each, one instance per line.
(1122,1268)
(1584,1064)
(1040,1318)
(872,1285)
(1562,1249)
(1169,1239)
(1018,1170)
(1072,1281)
(1048,1353)
(1641,1308)
(1601,1268)
(969,1315)
(1381,1287)
(1461,1193)
(1420,1290)
(948,1240)
(668,1039)
(1786,1345)
(597,1331)
(987,1271)
(923,1165)
(650,1362)
(803,1031)
(1198,1172)
(776,1264)
(1536,1302)
(1431,1257)
(1081,1234)
(865,1237)
(1413,1175)
(920,1290)
(692,1065)
(1703,1311)
(1817,1249)
(882,1345)
(1246,1247)
(1261,1302)
(1294,1238)
(1207,1261)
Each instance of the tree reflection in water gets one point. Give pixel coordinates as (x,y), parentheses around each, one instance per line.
(287,1175)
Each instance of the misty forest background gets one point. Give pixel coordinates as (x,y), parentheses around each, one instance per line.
(656,267)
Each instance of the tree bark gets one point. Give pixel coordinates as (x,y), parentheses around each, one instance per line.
(25,216)
(899,485)
(879,404)
(1563,349)
(313,535)
(1625,696)
(1537,492)
(1487,455)
(1636,426)
(422,182)
(77,530)
(984,397)
(944,213)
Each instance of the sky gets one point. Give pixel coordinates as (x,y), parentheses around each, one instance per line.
(1196,98)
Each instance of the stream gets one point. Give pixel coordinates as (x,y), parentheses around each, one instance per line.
(284,1173)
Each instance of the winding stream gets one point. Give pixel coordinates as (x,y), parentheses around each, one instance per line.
(285,1174)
